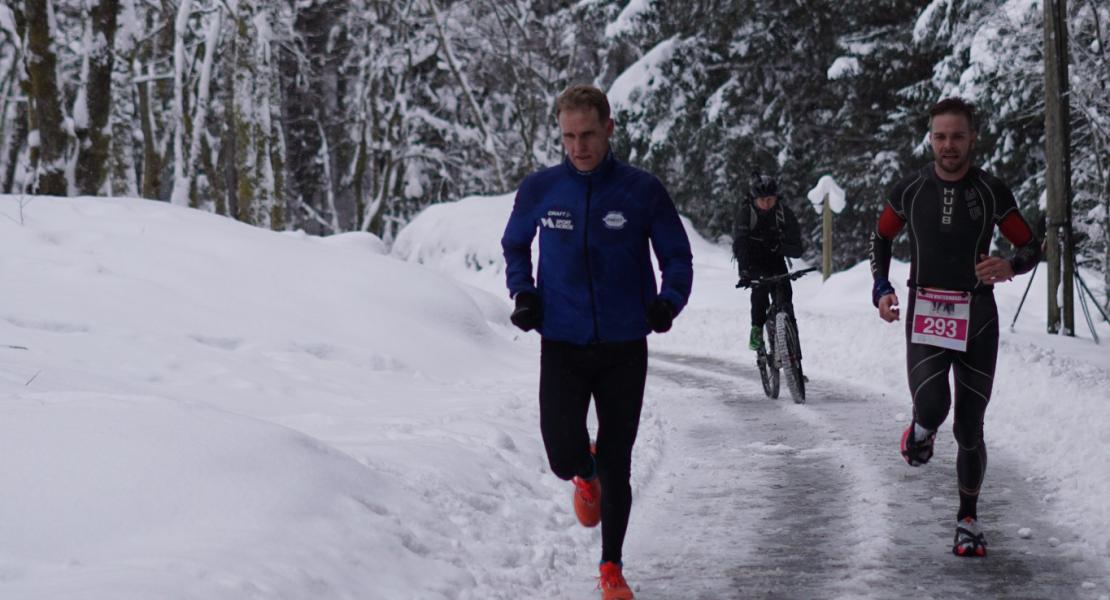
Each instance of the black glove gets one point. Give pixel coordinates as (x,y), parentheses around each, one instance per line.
(745,280)
(660,315)
(527,315)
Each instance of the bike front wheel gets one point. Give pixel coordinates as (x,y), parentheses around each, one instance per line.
(768,365)
(789,350)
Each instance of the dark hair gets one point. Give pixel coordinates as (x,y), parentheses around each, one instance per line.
(953,106)
(583,96)
(763,185)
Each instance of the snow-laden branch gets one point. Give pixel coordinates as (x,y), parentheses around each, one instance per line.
(316,216)
(488,141)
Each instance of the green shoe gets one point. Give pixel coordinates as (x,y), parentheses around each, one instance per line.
(755,340)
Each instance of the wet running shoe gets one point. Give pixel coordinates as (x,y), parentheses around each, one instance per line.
(917,451)
(969,539)
(612,583)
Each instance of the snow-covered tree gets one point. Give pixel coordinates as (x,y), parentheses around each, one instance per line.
(340,115)
(1090,97)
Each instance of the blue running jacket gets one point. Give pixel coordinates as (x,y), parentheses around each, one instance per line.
(595,277)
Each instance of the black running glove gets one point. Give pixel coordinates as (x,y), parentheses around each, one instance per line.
(745,280)
(527,315)
(660,315)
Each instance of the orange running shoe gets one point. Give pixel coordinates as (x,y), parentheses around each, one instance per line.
(612,583)
(587,501)
(587,496)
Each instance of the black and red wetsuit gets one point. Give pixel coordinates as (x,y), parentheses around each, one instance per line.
(951,225)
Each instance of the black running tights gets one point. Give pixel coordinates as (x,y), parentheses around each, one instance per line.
(613,374)
(973,371)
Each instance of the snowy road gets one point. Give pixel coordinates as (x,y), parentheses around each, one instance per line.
(760,498)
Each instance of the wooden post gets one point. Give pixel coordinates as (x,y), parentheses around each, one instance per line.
(1058,239)
(826,239)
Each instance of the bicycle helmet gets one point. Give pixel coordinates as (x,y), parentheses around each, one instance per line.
(763,185)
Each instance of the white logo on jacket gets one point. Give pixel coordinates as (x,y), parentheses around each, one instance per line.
(558,219)
(614,220)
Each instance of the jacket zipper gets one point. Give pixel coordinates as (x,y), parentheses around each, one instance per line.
(589,269)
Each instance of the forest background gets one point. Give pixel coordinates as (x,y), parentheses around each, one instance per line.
(354,115)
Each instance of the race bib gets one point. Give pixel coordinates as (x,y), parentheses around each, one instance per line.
(940,318)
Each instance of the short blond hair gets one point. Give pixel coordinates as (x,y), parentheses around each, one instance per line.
(583,96)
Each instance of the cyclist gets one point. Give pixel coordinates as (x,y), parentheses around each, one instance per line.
(764,233)
(952,209)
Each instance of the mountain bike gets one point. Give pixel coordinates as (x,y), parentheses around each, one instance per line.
(783,349)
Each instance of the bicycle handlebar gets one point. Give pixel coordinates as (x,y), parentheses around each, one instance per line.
(763,281)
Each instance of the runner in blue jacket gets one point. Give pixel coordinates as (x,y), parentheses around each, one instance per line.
(594,301)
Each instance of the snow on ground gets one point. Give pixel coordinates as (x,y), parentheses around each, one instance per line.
(1051,393)
(191,407)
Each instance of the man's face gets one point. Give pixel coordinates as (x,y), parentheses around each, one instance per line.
(585,137)
(952,139)
(765,202)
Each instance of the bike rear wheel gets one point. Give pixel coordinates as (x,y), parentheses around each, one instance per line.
(768,365)
(790,356)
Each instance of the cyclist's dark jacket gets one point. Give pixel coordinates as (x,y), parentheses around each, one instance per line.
(951,225)
(756,232)
(595,277)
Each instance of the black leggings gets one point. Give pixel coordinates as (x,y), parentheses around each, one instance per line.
(761,295)
(761,301)
(973,369)
(614,374)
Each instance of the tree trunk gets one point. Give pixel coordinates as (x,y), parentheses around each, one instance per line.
(242,115)
(279,214)
(47,113)
(270,158)
(216,188)
(182,176)
(7,102)
(92,162)
(17,138)
(1057,178)
(200,120)
(359,175)
(229,145)
(13,118)
(123,181)
(122,158)
(152,160)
